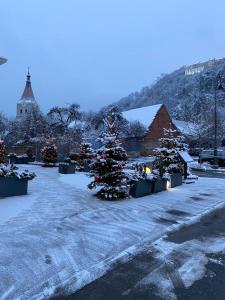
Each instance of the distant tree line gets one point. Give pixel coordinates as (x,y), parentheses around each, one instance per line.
(68,126)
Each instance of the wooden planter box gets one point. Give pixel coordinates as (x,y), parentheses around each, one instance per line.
(31,159)
(159,185)
(66,168)
(13,186)
(21,160)
(141,188)
(175,180)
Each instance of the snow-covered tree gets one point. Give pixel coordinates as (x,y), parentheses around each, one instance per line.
(63,122)
(2,151)
(61,117)
(107,169)
(120,124)
(49,153)
(136,129)
(4,126)
(167,155)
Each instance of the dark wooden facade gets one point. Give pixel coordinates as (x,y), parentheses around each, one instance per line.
(146,144)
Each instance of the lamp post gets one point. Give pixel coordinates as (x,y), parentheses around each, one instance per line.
(218,87)
(2,60)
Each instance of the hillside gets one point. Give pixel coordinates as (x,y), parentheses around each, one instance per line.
(186,96)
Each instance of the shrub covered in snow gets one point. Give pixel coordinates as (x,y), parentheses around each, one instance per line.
(12,171)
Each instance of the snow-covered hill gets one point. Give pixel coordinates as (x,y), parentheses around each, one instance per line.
(185,96)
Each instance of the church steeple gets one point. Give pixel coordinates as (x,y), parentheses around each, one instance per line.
(27,102)
(28,92)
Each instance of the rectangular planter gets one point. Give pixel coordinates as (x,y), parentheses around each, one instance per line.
(159,185)
(141,188)
(12,186)
(31,159)
(21,160)
(66,168)
(12,159)
(175,180)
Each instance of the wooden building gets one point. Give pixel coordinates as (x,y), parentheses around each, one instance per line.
(155,118)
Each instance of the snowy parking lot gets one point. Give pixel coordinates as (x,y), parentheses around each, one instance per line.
(60,237)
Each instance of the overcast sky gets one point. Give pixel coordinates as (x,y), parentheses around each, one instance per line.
(96,51)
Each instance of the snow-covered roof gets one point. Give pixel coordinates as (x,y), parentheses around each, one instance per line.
(187,128)
(144,115)
(186,156)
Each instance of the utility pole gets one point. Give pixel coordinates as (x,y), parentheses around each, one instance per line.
(217,87)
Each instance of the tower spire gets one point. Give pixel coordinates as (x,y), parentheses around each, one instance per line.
(28,92)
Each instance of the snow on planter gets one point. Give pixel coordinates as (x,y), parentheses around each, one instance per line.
(18,159)
(67,168)
(175,180)
(13,182)
(142,187)
(160,184)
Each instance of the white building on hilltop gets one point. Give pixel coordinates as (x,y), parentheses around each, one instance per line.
(27,102)
(200,67)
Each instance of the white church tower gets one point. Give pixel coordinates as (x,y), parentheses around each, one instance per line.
(27,102)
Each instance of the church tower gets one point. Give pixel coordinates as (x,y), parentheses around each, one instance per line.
(27,102)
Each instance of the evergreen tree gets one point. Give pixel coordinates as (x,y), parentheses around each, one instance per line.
(2,151)
(167,155)
(49,153)
(107,169)
(85,156)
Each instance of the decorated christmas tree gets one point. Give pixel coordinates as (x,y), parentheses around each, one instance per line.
(2,151)
(168,160)
(49,153)
(107,169)
(86,156)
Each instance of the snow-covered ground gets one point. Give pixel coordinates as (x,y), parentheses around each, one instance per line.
(205,167)
(62,237)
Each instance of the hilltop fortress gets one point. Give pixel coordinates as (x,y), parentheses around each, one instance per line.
(199,67)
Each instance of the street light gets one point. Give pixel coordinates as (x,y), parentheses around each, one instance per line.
(218,87)
(2,60)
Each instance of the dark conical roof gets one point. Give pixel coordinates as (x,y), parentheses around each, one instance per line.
(28,92)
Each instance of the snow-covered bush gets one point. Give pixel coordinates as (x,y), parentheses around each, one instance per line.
(141,172)
(12,171)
